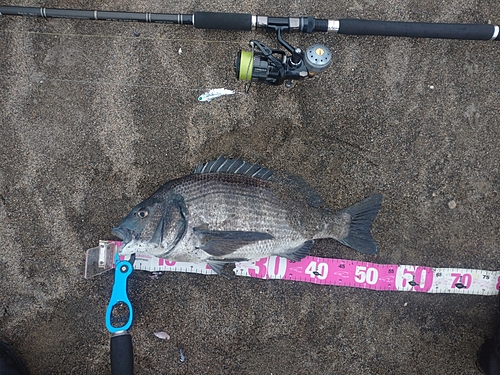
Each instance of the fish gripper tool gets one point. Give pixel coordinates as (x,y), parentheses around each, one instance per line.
(119,317)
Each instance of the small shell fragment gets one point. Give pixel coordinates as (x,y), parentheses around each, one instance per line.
(162,335)
(452,204)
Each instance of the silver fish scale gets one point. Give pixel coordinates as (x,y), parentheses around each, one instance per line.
(231,202)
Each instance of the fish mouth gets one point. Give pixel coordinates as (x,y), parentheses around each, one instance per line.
(122,233)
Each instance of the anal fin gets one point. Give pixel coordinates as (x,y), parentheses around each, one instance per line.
(301,252)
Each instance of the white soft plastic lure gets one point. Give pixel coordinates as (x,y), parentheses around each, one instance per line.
(214,93)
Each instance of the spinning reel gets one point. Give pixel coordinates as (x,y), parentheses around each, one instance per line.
(275,67)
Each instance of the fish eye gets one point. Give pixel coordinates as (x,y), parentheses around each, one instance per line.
(142,213)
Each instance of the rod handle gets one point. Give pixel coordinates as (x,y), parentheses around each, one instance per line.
(222,21)
(418,29)
(122,354)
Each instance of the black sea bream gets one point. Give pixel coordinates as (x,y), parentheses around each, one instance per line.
(229,211)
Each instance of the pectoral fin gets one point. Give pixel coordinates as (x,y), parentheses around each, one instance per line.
(221,243)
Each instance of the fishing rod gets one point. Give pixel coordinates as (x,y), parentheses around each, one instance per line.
(274,66)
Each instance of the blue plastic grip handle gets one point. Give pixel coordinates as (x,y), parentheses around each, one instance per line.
(119,294)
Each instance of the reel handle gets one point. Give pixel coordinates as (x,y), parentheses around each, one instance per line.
(418,29)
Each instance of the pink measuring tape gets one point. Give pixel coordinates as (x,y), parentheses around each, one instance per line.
(383,277)
(342,272)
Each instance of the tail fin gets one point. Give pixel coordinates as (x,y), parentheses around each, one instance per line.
(362,215)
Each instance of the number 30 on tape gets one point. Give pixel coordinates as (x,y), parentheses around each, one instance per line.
(390,277)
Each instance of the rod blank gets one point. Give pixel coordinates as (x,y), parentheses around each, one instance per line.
(98,15)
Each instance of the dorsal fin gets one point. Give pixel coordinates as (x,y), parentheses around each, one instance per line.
(238,166)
